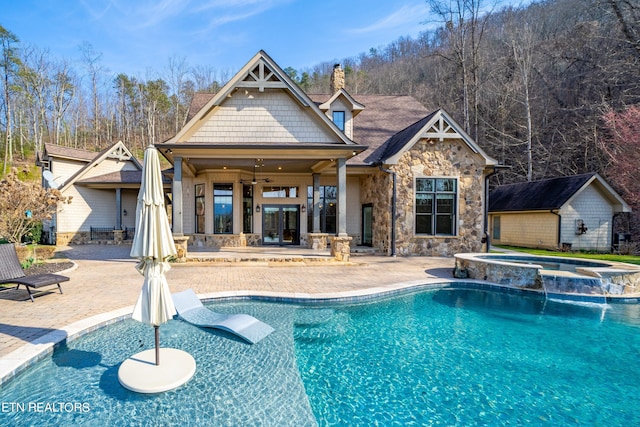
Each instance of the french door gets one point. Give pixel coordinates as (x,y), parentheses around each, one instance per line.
(281,224)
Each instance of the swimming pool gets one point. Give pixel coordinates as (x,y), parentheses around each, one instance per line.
(450,356)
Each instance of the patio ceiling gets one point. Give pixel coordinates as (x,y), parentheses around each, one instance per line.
(273,159)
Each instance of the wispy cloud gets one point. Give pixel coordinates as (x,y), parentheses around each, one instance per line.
(405,16)
(228,11)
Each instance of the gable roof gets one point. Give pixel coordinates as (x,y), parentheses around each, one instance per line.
(549,194)
(117,151)
(355,106)
(59,151)
(437,125)
(261,72)
(382,117)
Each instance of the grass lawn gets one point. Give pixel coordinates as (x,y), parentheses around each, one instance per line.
(629,259)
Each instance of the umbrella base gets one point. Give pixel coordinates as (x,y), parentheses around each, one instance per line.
(140,373)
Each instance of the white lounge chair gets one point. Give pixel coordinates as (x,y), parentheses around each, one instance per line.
(191,310)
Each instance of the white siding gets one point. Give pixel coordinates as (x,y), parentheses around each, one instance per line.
(129,201)
(270,116)
(94,207)
(596,212)
(89,208)
(63,169)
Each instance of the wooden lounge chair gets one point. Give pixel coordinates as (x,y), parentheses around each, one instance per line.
(11,272)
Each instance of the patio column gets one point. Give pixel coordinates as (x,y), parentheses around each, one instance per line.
(176,192)
(316,203)
(342,196)
(118,208)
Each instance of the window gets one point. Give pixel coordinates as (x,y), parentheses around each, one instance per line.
(247,208)
(199,192)
(338,119)
(436,206)
(279,192)
(223,208)
(328,212)
(496,228)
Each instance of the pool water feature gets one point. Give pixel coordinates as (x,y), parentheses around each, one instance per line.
(454,355)
(557,276)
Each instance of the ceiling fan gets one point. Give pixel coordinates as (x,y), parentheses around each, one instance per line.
(258,164)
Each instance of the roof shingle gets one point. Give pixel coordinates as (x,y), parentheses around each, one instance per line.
(546,194)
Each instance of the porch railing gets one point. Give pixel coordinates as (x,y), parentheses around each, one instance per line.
(102,233)
(109,233)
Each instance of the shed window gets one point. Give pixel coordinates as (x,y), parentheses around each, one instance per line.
(496,228)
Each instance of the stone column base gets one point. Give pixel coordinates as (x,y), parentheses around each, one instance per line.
(317,241)
(181,243)
(341,248)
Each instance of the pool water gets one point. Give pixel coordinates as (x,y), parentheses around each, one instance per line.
(472,358)
(547,263)
(439,357)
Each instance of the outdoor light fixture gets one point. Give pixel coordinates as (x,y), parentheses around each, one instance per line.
(124,212)
(303,208)
(258,208)
(259,163)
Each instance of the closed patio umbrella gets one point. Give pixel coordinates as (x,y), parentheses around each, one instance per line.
(153,245)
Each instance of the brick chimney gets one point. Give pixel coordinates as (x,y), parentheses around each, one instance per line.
(337,79)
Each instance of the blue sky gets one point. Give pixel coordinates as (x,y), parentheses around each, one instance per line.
(136,37)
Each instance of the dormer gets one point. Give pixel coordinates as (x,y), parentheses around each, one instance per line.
(341,108)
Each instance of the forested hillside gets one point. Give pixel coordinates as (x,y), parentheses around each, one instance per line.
(532,85)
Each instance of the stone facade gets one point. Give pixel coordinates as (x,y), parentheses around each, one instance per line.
(449,158)
(341,248)
(337,79)
(316,241)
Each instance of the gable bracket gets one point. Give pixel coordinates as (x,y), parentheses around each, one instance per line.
(120,154)
(441,130)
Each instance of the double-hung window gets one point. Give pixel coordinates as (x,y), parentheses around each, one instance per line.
(436,206)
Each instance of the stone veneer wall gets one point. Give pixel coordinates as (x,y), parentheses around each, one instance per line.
(73,238)
(450,158)
(224,240)
(376,189)
(84,238)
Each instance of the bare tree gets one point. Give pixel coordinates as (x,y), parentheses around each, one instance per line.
(465,22)
(628,15)
(9,63)
(91,60)
(63,92)
(178,70)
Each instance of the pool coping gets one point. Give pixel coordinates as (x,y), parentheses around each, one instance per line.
(12,364)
